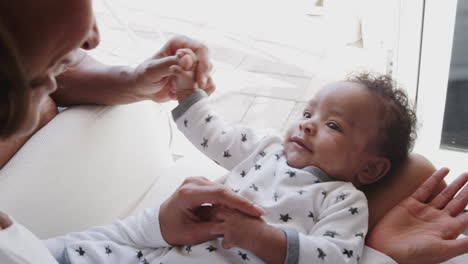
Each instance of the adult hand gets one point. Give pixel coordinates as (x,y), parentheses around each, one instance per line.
(153,78)
(420,230)
(178,221)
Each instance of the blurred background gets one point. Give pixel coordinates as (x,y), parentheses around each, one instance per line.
(271,56)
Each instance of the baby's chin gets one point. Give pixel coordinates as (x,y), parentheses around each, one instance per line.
(296,161)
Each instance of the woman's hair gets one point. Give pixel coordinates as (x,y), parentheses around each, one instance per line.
(397,131)
(14,90)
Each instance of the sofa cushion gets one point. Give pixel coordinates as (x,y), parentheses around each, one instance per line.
(88,166)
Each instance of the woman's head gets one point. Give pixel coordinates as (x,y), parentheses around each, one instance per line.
(36,38)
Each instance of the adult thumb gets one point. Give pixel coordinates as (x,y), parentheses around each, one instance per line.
(160,68)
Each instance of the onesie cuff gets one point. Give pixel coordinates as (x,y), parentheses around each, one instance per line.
(292,250)
(154,223)
(187,103)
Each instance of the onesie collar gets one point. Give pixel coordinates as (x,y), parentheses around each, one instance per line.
(319,173)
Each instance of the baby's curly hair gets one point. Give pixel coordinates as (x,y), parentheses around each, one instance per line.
(397,131)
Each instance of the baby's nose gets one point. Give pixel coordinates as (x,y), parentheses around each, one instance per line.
(308,126)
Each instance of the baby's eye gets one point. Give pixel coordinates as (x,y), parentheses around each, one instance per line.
(333,125)
(307,115)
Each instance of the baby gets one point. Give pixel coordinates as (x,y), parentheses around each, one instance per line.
(350,134)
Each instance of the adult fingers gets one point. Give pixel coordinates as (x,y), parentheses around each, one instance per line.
(453,248)
(161,67)
(203,71)
(221,213)
(463,220)
(457,204)
(210,86)
(441,200)
(430,185)
(198,180)
(217,194)
(204,66)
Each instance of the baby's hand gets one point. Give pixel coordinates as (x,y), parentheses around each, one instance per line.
(238,229)
(267,242)
(184,83)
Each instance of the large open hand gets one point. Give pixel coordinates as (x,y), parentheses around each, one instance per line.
(419,230)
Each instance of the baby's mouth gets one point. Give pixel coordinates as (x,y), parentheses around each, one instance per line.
(298,141)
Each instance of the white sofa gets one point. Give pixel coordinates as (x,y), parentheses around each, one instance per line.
(92,164)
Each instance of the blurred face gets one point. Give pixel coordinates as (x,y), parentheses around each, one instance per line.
(335,131)
(47,33)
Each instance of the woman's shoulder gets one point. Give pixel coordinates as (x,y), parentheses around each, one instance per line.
(19,245)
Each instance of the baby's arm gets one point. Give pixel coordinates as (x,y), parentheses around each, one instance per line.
(141,230)
(226,144)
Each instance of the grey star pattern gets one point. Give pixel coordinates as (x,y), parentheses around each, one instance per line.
(243,255)
(321,254)
(208,118)
(243,137)
(204,144)
(275,197)
(243,174)
(331,234)
(211,248)
(311,215)
(348,253)
(291,173)
(258,166)
(188,249)
(341,196)
(285,217)
(108,250)
(353,210)
(254,187)
(139,254)
(226,154)
(80,251)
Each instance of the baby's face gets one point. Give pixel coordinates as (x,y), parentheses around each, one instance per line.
(335,132)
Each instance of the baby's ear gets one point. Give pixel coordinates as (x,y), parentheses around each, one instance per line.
(374,170)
